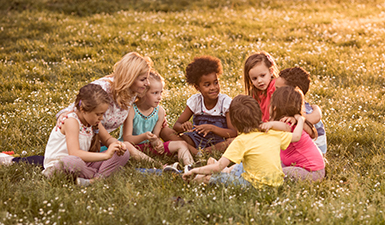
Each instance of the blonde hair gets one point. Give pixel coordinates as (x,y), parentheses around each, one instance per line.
(253,60)
(125,72)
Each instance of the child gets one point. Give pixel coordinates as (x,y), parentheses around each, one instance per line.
(301,160)
(74,147)
(128,79)
(145,122)
(298,77)
(256,153)
(260,72)
(211,122)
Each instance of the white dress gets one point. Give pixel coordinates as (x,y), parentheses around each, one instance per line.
(57,146)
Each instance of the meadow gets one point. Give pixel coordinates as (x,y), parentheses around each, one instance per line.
(49,49)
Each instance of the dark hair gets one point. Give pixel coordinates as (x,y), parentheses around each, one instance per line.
(245,113)
(200,66)
(288,101)
(250,63)
(296,77)
(89,97)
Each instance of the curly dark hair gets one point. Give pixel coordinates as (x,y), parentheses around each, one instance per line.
(200,66)
(296,77)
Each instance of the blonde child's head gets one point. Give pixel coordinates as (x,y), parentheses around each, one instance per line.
(89,98)
(126,71)
(153,92)
(257,65)
(245,114)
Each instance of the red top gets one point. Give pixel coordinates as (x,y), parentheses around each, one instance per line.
(264,101)
(304,154)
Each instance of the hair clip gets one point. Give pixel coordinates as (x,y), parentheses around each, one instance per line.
(96,131)
(80,102)
(268,56)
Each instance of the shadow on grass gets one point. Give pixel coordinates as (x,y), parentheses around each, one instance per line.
(86,8)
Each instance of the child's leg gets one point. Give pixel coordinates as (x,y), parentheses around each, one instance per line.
(183,151)
(168,134)
(299,173)
(138,155)
(74,165)
(219,147)
(106,168)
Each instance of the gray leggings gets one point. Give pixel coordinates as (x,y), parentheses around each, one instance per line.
(76,166)
(298,173)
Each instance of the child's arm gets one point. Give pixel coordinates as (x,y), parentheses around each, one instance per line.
(315,116)
(228,132)
(71,131)
(159,123)
(306,127)
(209,169)
(128,128)
(275,125)
(183,124)
(297,132)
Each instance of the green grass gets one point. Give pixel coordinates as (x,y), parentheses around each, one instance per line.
(49,49)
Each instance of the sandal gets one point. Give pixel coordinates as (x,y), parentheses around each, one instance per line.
(173,168)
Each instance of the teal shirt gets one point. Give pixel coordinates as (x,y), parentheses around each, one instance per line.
(142,123)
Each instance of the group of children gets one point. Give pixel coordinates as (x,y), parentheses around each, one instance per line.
(266,132)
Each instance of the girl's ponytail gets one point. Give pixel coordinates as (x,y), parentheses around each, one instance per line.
(95,142)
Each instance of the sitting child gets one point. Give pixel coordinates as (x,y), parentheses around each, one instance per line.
(256,153)
(301,160)
(211,123)
(298,77)
(145,120)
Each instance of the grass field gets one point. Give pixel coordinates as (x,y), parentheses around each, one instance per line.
(49,49)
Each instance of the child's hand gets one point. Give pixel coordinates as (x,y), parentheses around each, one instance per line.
(289,119)
(114,147)
(187,176)
(265,126)
(299,117)
(122,149)
(157,145)
(204,128)
(150,136)
(187,126)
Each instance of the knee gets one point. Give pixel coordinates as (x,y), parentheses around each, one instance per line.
(182,144)
(71,160)
(126,155)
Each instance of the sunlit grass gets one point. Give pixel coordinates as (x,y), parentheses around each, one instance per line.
(49,49)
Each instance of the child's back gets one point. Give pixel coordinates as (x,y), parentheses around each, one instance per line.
(259,153)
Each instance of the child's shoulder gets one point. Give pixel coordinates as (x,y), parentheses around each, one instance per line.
(224,96)
(195,99)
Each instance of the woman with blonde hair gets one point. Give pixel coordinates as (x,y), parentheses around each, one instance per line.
(128,79)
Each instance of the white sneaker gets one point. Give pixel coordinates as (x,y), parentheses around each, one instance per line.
(5,159)
(82,182)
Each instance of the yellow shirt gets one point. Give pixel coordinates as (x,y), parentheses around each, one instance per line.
(260,154)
